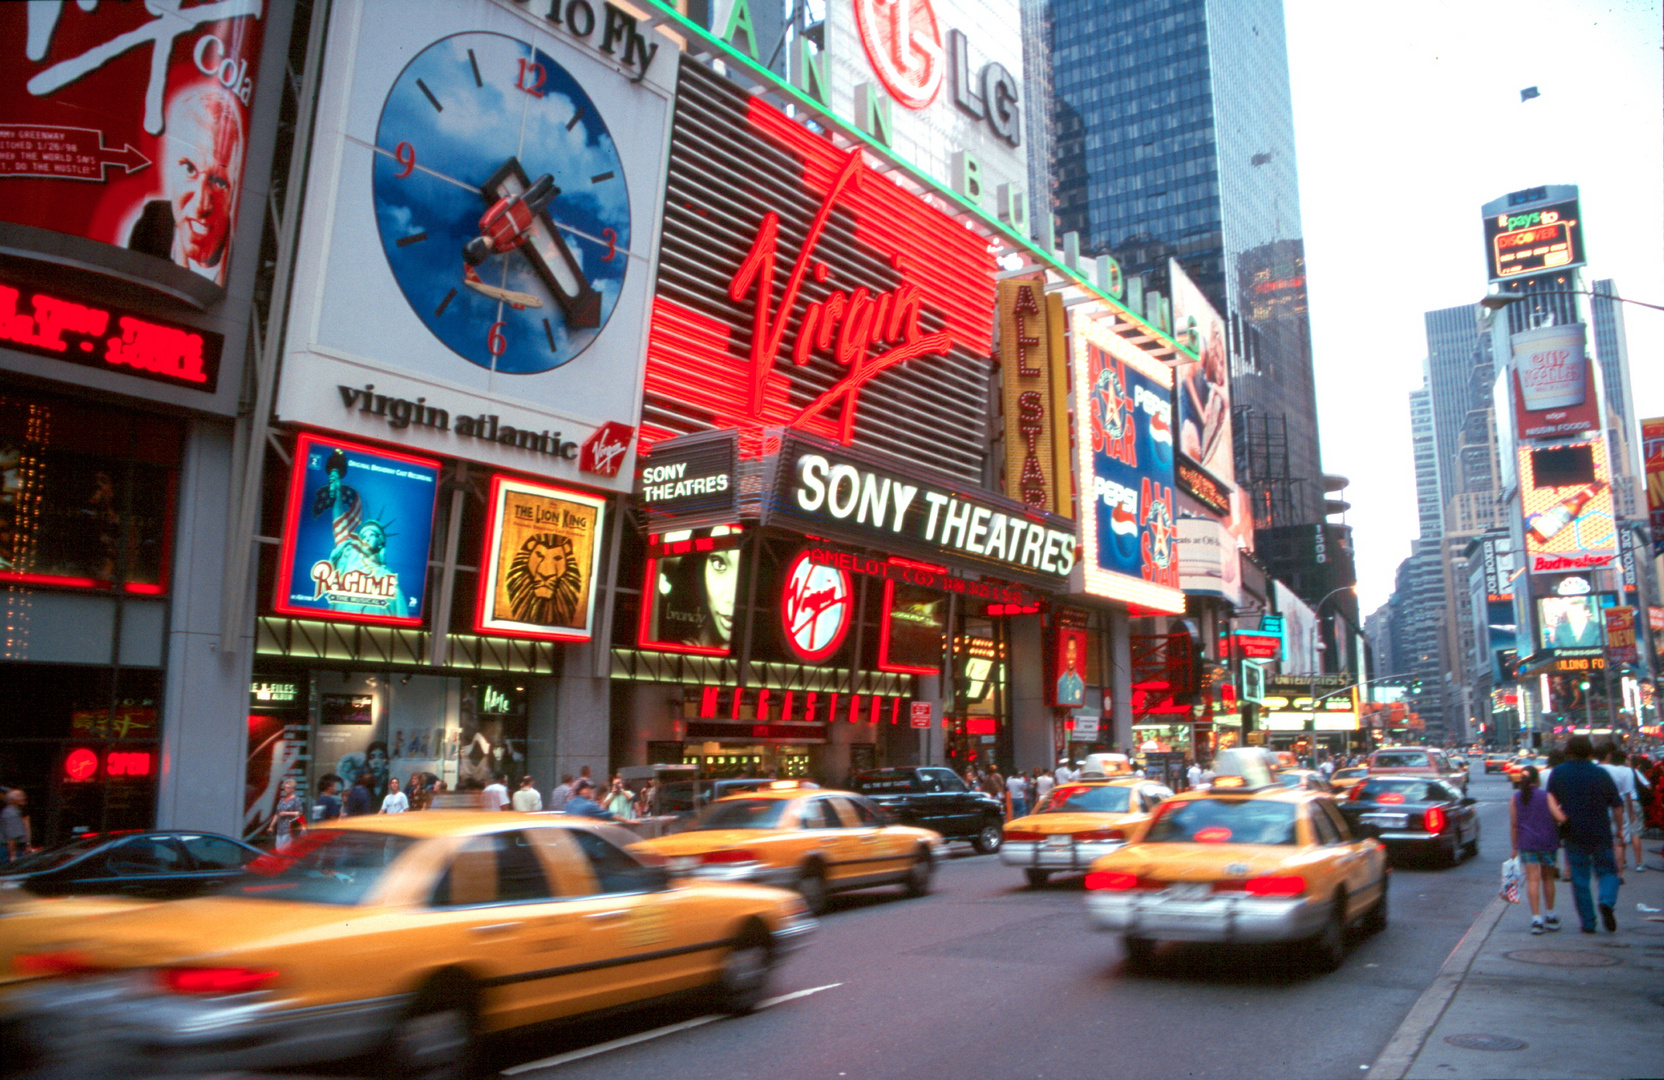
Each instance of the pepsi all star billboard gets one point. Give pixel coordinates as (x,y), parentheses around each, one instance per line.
(1125,441)
(356,533)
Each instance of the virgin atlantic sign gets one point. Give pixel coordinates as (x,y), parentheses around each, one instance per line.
(799,288)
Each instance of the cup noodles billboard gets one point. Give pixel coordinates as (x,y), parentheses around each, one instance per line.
(1554,383)
(128,124)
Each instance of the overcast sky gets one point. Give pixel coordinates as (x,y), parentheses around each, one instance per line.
(1408,118)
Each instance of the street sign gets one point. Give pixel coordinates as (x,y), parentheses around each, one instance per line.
(1086,725)
(919,714)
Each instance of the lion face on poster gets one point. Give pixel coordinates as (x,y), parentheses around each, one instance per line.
(544,581)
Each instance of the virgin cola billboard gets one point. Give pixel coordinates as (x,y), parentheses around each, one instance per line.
(128,125)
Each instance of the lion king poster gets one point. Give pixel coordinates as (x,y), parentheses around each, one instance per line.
(542,551)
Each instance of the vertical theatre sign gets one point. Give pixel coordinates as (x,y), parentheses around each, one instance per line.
(1032,371)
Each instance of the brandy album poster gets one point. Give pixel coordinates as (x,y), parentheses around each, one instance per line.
(542,554)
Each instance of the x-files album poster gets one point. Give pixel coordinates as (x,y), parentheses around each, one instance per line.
(1204,387)
(356,533)
(1125,439)
(537,576)
(489,183)
(128,124)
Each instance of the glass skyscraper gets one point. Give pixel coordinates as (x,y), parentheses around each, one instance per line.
(1172,135)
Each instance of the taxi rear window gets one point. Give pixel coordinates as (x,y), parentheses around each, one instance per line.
(1087,799)
(1407,790)
(743,814)
(330,866)
(1399,761)
(1224,821)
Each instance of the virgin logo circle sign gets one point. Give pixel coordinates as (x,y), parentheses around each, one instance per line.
(816,606)
(904,44)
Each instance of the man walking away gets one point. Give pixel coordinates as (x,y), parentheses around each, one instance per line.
(328,806)
(495,795)
(527,800)
(1581,794)
(562,792)
(360,800)
(1625,780)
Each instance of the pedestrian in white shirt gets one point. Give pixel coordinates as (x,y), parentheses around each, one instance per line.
(495,795)
(1043,785)
(1064,774)
(526,799)
(1617,767)
(394,802)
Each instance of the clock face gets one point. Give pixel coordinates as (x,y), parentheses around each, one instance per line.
(473,120)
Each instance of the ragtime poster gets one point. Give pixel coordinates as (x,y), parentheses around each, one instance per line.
(542,552)
(356,537)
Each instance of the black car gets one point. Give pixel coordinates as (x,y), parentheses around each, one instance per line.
(1411,814)
(154,864)
(931,797)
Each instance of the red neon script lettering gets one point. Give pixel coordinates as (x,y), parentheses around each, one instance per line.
(849,324)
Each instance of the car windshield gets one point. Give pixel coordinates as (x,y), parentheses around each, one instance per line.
(1411,760)
(1291,779)
(329,866)
(1405,790)
(1087,799)
(54,857)
(1224,821)
(743,814)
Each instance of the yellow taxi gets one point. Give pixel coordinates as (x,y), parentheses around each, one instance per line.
(1246,861)
(1077,823)
(814,840)
(1344,780)
(407,936)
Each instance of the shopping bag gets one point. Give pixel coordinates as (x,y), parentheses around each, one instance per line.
(1512,874)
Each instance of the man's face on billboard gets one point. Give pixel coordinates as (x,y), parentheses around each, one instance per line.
(204,146)
(1071,653)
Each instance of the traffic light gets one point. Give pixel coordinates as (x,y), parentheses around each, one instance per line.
(1583,684)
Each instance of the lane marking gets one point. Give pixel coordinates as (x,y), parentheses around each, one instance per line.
(656,1033)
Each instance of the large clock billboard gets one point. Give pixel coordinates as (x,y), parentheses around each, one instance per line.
(480,234)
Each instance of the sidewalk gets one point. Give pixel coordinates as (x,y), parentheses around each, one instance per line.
(1566,1004)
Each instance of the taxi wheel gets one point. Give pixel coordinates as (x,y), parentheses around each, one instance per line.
(811,885)
(988,841)
(1037,878)
(1139,950)
(745,971)
(435,1039)
(920,873)
(1328,948)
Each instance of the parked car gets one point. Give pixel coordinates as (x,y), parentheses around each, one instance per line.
(931,797)
(153,864)
(1415,815)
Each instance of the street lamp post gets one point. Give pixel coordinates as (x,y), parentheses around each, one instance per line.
(1311,732)
(1498,301)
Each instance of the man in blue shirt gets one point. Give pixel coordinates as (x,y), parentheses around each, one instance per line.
(583,804)
(1582,795)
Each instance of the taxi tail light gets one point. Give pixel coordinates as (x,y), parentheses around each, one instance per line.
(52,963)
(1099,834)
(1020,834)
(1275,885)
(1435,820)
(1111,881)
(215,980)
(735,855)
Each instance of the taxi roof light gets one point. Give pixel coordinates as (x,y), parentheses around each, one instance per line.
(1229,782)
(1277,885)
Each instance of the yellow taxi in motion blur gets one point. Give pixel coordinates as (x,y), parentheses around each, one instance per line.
(812,840)
(1077,823)
(1344,780)
(406,936)
(1241,864)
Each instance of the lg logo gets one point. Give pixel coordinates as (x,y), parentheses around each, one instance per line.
(904,43)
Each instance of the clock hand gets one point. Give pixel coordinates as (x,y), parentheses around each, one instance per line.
(520,221)
(504,227)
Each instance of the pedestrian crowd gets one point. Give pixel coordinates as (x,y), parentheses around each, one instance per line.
(1581,819)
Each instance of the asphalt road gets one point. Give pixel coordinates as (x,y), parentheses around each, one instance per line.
(987,978)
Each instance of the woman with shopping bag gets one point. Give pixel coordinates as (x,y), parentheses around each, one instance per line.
(1536,844)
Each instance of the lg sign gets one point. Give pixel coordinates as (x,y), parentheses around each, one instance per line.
(903,42)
